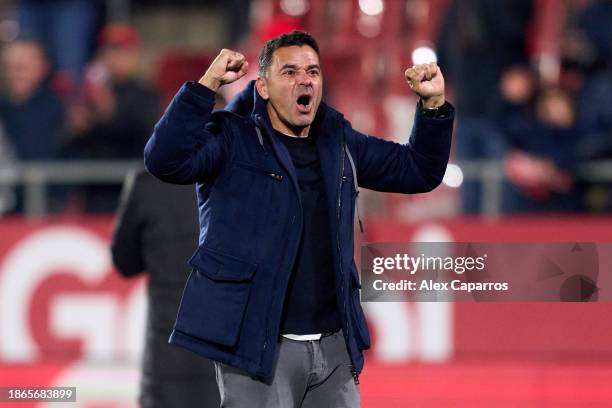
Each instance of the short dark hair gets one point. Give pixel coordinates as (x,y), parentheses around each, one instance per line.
(295,37)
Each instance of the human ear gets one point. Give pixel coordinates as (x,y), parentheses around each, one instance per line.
(262,88)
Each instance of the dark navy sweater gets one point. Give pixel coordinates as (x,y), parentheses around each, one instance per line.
(310,304)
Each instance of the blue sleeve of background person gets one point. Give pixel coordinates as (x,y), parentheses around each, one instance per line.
(187,146)
(415,167)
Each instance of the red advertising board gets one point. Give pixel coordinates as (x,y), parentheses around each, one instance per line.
(67,319)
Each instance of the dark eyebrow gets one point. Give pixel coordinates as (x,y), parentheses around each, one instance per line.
(290,66)
(293,66)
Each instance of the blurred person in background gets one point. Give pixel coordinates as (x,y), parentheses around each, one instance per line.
(237,15)
(31,111)
(518,86)
(588,41)
(156,231)
(478,40)
(7,162)
(115,116)
(66,28)
(542,155)
(513,116)
(118,109)
(588,47)
(595,124)
(273,296)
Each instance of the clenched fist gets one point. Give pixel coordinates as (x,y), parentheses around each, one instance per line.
(426,80)
(228,66)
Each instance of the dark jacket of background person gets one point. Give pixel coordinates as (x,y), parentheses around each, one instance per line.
(116,112)
(478,39)
(594,22)
(251,216)
(121,136)
(34,127)
(156,231)
(124,134)
(595,117)
(31,112)
(118,108)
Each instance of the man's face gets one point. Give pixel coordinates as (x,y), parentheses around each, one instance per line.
(293,86)
(24,69)
(122,62)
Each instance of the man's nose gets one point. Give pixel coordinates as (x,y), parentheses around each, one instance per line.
(303,78)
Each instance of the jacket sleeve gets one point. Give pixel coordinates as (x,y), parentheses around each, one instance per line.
(126,245)
(415,167)
(186,146)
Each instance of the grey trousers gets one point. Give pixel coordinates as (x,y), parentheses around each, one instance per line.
(308,374)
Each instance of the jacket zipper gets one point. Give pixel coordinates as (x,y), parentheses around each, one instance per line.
(259,136)
(277,177)
(354,373)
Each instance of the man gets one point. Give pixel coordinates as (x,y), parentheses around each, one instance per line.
(154,215)
(31,114)
(274,294)
(118,110)
(26,94)
(115,116)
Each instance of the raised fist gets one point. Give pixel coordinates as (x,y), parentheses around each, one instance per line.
(426,81)
(228,66)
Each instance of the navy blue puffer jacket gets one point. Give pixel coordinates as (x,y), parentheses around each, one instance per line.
(251,215)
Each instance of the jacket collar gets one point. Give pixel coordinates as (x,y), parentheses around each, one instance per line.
(248,102)
(328,125)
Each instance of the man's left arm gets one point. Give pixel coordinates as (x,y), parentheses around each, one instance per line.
(419,165)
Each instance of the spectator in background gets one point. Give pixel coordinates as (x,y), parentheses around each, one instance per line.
(589,48)
(518,86)
(543,155)
(66,28)
(30,110)
(479,39)
(595,117)
(7,161)
(156,231)
(237,21)
(116,115)
(118,110)
(595,121)
(593,36)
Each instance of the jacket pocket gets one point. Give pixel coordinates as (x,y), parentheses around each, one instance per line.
(259,170)
(215,297)
(360,325)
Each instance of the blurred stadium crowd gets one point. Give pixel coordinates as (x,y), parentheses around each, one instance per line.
(531,79)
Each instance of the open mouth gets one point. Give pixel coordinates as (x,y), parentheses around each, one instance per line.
(304,103)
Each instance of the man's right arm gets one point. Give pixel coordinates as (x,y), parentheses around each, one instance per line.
(185,146)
